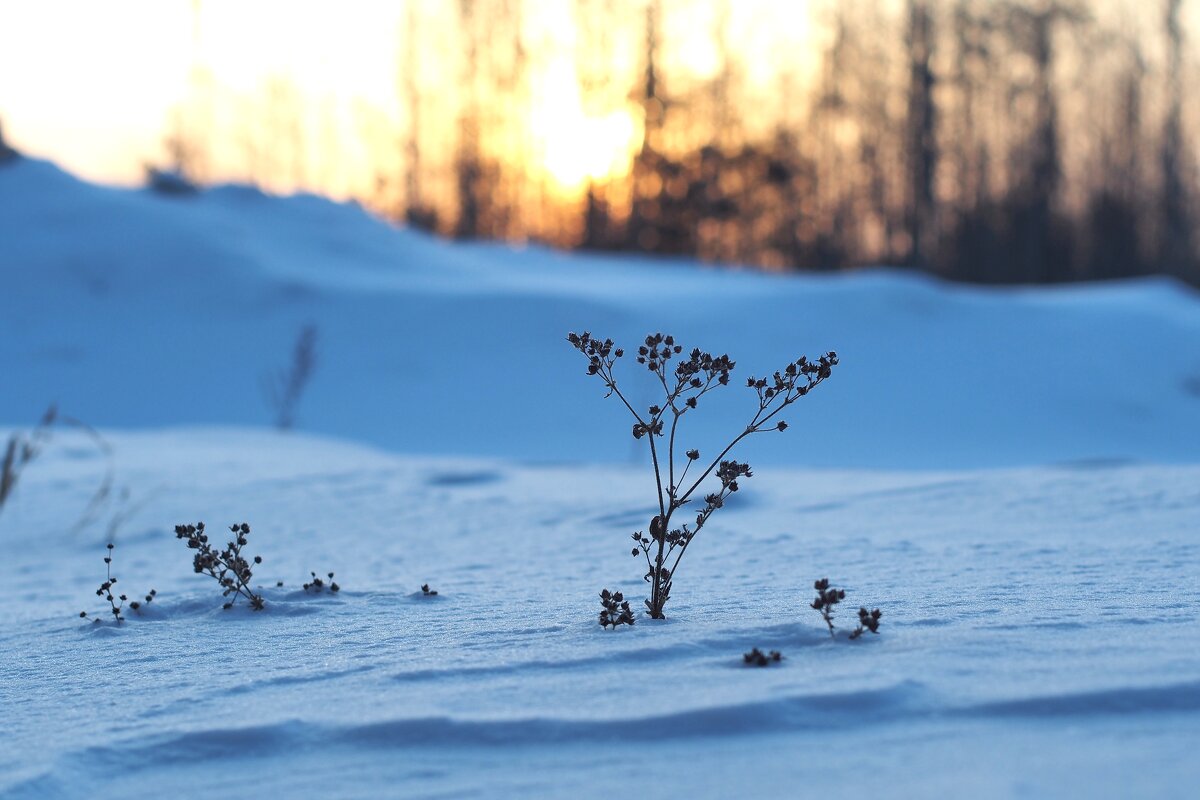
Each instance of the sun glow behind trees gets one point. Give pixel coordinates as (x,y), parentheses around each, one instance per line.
(100,87)
(573,146)
(994,140)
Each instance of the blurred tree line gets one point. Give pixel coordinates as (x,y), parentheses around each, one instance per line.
(992,141)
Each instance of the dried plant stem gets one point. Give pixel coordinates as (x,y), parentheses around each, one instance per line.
(691,378)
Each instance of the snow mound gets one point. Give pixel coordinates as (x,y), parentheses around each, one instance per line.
(1011,475)
(133,309)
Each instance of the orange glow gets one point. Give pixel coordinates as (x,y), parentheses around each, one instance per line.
(573,147)
(94,85)
(582,149)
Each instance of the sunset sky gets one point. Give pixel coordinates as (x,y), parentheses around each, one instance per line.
(91,85)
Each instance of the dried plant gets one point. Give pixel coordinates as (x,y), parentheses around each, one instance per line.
(228,566)
(427,592)
(126,508)
(284,389)
(757,658)
(318,585)
(149,598)
(116,602)
(691,377)
(100,497)
(616,610)
(829,596)
(867,621)
(21,450)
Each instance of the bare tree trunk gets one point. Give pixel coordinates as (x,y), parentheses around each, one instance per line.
(1175,247)
(414,203)
(921,145)
(467,169)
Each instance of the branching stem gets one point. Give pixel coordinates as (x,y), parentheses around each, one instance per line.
(693,377)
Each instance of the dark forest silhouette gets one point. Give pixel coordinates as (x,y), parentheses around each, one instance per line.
(993,141)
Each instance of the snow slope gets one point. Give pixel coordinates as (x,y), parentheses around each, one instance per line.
(136,310)
(1039,637)
(1013,476)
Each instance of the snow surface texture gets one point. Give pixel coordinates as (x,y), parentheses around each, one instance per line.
(1011,475)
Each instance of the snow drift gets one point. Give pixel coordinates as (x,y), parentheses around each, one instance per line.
(1012,475)
(134,309)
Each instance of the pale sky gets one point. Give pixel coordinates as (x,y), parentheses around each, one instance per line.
(90,83)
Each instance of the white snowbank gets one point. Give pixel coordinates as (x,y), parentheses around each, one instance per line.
(1012,475)
(1038,636)
(136,310)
